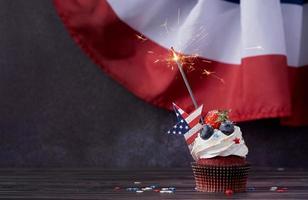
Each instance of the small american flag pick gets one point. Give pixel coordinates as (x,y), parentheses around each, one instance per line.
(188,125)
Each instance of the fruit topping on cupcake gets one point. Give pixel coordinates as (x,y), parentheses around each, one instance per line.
(206,132)
(217,119)
(227,127)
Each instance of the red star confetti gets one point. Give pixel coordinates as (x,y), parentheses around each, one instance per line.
(229,192)
(284,189)
(237,140)
(280,190)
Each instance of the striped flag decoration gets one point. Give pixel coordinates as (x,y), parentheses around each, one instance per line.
(257,48)
(180,113)
(188,125)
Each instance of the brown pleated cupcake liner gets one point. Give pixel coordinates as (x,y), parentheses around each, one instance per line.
(220,178)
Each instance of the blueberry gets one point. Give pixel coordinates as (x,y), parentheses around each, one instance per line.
(227,127)
(207,132)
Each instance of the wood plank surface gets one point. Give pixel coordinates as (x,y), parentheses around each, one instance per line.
(101,183)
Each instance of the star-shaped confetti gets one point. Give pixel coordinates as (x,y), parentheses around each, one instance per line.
(237,140)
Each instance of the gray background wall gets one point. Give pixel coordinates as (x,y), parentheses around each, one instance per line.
(57,109)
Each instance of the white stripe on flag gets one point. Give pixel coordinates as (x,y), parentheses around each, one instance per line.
(192,131)
(267,35)
(254,27)
(201,25)
(196,113)
(178,109)
(294,29)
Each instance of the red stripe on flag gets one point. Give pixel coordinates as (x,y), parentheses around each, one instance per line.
(184,115)
(298,83)
(194,122)
(192,138)
(258,88)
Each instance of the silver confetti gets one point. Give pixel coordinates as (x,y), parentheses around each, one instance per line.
(146,189)
(274,188)
(166,191)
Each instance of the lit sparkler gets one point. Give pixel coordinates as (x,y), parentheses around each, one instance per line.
(187,62)
(177,60)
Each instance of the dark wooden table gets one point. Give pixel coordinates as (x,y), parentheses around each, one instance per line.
(101,184)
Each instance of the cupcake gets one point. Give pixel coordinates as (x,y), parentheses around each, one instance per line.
(217,147)
(220,153)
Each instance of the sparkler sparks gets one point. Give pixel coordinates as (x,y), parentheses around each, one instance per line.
(189,63)
(165,25)
(206,61)
(141,37)
(191,68)
(208,73)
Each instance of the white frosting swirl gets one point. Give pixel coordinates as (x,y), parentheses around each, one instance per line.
(220,144)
